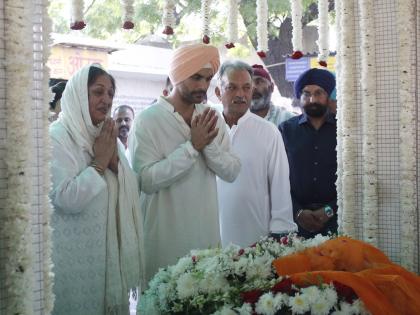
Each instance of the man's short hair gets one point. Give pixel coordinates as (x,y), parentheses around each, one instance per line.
(230,65)
(123,107)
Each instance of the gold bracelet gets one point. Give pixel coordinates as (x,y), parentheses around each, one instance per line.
(99,169)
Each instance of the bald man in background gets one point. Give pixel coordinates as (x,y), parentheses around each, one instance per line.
(178,147)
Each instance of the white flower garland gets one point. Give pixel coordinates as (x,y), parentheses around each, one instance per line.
(128,13)
(262,31)
(296,8)
(48,276)
(369,124)
(408,197)
(349,124)
(339,116)
(205,17)
(323,37)
(232,27)
(168,19)
(16,216)
(76,15)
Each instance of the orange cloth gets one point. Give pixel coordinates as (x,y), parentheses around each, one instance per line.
(190,59)
(384,287)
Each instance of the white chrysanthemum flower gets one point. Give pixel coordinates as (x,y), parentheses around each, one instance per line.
(240,265)
(227,310)
(213,283)
(312,294)
(186,286)
(259,268)
(358,307)
(245,309)
(281,299)
(320,308)
(299,304)
(183,264)
(330,295)
(266,304)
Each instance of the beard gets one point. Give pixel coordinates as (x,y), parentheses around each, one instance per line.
(315,110)
(123,132)
(195,97)
(260,101)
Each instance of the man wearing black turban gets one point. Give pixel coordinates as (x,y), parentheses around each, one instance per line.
(310,141)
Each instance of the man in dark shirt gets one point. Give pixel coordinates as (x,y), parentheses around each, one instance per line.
(310,140)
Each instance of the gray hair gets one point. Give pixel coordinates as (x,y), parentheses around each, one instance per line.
(231,65)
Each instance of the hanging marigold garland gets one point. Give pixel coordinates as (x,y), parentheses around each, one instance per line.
(232,27)
(296,8)
(76,15)
(168,18)
(322,41)
(128,14)
(205,16)
(262,31)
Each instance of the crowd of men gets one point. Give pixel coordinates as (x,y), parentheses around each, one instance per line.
(251,170)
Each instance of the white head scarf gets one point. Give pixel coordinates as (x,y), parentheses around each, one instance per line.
(124,253)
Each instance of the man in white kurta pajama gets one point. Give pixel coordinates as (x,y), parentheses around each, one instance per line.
(178,181)
(258,202)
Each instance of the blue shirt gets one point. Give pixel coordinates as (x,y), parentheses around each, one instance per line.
(313,165)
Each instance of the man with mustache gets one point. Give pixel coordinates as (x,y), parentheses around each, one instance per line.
(178,146)
(258,202)
(123,116)
(310,141)
(261,104)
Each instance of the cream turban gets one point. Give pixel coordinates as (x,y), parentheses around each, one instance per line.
(188,60)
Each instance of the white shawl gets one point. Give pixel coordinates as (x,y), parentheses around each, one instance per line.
(124,266)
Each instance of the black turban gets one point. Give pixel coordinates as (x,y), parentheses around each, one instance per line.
(320,77)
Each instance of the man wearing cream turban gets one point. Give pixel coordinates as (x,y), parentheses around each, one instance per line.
(178,146)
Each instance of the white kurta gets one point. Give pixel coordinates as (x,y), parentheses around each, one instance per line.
(179,197)
(258,201)
(80,198)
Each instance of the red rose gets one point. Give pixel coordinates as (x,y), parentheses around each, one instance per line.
(284,240)
(241,252)
(128,25)
(261,54)
(284,286)
(297,54)
(345,291)
(323,63)
(168,30)
(230,45)
(251,296)
(206,39)
(77,25)
(194,259)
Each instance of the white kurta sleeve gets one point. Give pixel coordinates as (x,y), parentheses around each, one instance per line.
(279,185)
(219,156)
(154,170)
(73,190)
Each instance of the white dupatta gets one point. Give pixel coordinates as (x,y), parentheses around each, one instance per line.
(124,243)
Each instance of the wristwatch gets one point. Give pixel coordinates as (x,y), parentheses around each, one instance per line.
(329,212)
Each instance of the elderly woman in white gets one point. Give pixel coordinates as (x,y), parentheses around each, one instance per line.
(97,224)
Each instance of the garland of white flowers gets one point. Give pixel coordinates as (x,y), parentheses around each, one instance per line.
(324,50)
(338,21)
(128,13)
(262,27)
(232,27)
(168,18)
(296,8)
(76,15)
(349,124)
(16,216)
(408,197)
(205,17)
(369,123)
(48,276)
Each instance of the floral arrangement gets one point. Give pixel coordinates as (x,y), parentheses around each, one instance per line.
(232,28)
(262,31)
(296,8)
(322,41)
(243,281)
(128,13)
(205,16)
(168,18)
(76,15)
(408,198)
(369,124)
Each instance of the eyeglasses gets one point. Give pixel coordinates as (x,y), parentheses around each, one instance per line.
(316,94)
